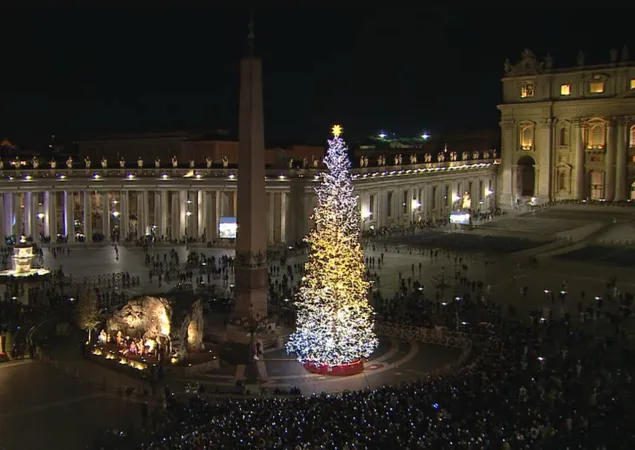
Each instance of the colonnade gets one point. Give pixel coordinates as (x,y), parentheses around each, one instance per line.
(164,214)
(74,207)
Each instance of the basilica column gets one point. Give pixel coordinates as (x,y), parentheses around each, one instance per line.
(621,188)
(69,216)
(579,172)
(609,161)
(88,216)
(124,215)
(105,215)
(509,145)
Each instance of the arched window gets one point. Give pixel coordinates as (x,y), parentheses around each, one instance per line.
(562,181)
(631,140)
(563,138)
(596,136)
(526,137)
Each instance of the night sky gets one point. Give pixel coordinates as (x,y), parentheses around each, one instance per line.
(405,71)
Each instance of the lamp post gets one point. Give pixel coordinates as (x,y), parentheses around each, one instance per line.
(414,206)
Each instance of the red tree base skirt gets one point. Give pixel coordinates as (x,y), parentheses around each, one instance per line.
(341,370)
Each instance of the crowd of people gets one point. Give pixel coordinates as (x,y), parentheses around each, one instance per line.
(539,382)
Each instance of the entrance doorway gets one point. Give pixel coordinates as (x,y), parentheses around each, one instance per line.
(526,176)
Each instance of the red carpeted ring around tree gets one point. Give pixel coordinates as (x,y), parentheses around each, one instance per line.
(341,370)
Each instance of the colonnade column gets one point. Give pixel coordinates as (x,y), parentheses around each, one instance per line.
(88,216)
(35,220)
(26,213)
(621,164)
(105,216)
(609,167)
(283,217)
(9,214)
(175,213)
(124,215)
(192,214)
(213,209)
(162,220)
(50,211)
(271,209)
(201,209)
(578,133)
(69,216)
(145,213)
(17,207)
(182,214)
(2,215)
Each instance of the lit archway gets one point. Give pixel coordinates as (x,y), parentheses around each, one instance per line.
(526,176)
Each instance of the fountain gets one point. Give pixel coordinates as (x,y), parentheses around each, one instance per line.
(23,262)
(23,271)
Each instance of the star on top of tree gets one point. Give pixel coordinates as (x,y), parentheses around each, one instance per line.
(336,130)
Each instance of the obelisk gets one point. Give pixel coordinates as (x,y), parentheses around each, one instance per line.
(251,245)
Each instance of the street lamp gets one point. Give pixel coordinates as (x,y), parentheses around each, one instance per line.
(425,136)
(414,205)
(382,135)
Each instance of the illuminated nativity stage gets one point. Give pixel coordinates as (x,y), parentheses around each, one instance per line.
(151,332)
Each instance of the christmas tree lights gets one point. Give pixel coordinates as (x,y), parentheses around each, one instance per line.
(334,320)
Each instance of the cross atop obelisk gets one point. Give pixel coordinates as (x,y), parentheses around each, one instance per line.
(251,244)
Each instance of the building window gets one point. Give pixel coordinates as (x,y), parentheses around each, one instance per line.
(405,202)
(448,197)
(526,137)
(565,89)
(597,185)
(527,90)
(434,197)
(371,206)
(389,204)
(596,136)
(631,140)
(481,193)
(563,137)
(632,84)
(596,87)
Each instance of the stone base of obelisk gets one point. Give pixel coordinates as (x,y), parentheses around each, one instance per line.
(237,351)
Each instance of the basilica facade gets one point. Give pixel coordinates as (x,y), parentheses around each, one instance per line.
(567,133)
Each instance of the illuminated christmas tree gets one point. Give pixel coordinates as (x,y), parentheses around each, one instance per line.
(334,320)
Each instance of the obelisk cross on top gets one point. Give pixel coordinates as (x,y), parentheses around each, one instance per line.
(251,243)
